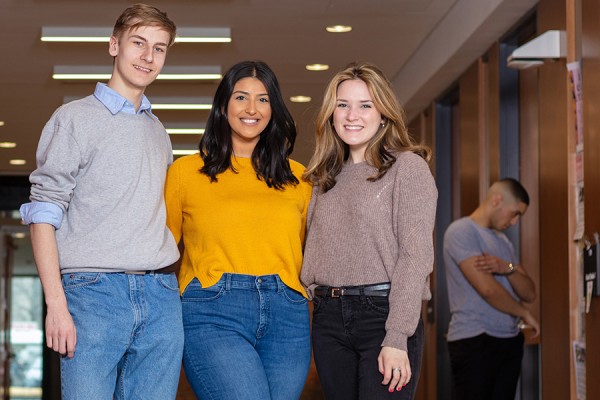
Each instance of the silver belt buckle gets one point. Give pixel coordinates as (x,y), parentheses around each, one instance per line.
(337,292)
(135,272)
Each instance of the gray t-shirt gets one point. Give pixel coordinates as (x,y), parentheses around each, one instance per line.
(471,315)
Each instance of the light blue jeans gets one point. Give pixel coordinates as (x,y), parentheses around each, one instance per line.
(129,336)
(246,337)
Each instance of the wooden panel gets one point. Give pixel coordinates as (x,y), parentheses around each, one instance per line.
(422,127)
(493,114)
(529,177)
(469,139)
(591,126)
(554,235)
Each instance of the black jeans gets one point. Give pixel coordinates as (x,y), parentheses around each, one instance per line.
(347,333)
(485,367)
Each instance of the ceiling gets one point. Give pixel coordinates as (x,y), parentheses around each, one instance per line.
(421,45)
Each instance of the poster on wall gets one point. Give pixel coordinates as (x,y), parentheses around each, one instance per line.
(575,80)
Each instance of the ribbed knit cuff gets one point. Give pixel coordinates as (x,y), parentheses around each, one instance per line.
(396,340)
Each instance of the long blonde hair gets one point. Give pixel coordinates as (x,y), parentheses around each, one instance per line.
(391,137)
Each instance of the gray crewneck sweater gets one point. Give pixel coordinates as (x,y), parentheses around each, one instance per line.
(362,232)
(106,172)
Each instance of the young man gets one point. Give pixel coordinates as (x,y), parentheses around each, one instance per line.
(486,286)
(97,223)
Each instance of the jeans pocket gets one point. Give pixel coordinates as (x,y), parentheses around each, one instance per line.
(76,280)
(317,302)
(169,281)
(195,292)
(293,296)
(378,304)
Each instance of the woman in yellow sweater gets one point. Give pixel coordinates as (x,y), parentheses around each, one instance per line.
(240,208)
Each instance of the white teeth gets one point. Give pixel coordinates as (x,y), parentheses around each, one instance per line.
(353,127)
(249,121)
(141,68)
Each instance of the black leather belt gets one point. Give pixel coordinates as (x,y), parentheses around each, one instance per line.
(380,289)
(165,270)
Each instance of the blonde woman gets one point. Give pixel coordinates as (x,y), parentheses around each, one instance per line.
(369,248)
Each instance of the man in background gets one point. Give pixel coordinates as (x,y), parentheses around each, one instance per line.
(486,288)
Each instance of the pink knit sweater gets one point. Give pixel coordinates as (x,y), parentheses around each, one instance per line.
(362,232)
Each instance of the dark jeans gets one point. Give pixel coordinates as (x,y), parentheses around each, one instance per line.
(485,367)
(347,335)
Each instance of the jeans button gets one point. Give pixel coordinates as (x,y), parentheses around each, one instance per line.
(259,280)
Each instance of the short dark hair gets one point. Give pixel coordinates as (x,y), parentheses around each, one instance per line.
(516,190)
(139,15)
(276,142)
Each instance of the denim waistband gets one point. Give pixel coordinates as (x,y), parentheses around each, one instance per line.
(251,282)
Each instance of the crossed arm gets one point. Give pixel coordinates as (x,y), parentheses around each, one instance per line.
(479,272)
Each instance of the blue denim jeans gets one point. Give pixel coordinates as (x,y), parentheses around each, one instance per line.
(246,337)
(129,336)
(347,336)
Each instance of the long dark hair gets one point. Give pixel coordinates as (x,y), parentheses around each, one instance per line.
(276,142)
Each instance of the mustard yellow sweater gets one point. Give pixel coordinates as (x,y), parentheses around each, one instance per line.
(236,225)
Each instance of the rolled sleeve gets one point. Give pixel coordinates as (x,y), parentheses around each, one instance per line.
(39,212)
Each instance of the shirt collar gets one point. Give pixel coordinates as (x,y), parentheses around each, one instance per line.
(117,103)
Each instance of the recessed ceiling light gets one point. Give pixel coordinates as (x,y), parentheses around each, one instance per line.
(7,145)
(17,162)
(339,28)
(1,123)
(317,67)
(300,99)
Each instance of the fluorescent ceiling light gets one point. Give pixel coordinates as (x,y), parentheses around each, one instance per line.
(338,28)
(300,99)
(183,152)
(103,72)
(185,128)
(181,103)
(317,67)
(169,103)
(102,34)
(7,145)
(17,162)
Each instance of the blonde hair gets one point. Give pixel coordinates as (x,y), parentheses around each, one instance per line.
(139,15)
(391,137)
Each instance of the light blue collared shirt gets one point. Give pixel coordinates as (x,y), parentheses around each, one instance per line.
(117,103)
(39,212)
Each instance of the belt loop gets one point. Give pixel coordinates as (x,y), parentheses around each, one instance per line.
(363,297)
(280,284)
(227,282)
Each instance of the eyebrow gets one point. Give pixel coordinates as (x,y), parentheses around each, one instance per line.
(360,101)
(244,92)
(146,40)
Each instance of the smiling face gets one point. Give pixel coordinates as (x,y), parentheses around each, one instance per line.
(139,57)
(355,118)
(248,114)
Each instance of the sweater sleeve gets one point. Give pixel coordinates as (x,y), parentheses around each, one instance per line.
(58,162)
(414,212)
(173,201)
